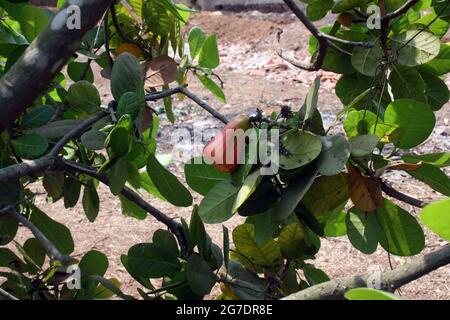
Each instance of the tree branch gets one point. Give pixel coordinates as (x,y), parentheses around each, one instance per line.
(7,295)
(323,39)
(390,280)
(405,7)
(43,59)
(174,227)
(76,132)
(52,251)
(216,114)
(401,196)
(123,35)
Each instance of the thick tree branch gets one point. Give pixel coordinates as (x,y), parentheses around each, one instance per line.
(43,59)
(390,280)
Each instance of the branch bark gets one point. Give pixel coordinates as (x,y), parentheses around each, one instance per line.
(52,251)
(43,59)
(175,227)
(323,39)
(390,280)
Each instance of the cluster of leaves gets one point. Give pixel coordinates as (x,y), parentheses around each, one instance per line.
(390,92)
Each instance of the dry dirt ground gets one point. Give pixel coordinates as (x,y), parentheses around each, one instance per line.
(254,77)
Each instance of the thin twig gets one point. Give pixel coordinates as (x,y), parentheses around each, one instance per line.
(75,132)
(405,7)
(122,33)
(216,114)
(401,196)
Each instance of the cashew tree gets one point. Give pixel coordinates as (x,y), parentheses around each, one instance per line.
(55,130)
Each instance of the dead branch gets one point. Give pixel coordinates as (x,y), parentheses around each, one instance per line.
(390,280)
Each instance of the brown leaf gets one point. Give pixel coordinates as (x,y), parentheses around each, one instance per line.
(365,192)
(405,166)
(160,71)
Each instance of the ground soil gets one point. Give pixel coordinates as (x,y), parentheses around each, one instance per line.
(254,77)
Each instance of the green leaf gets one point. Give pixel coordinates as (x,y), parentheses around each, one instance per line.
(37,117)
(202,177)
(131,209)
(400,234)
(30,146)
(200,277)
(55,129)
(266,226)
(442,8)
(350,86)
(217,205)
(314,276)
(318,9)
(126,76)
(166,240)
(54,184)
(369,294)
(436,217)
(55,232)
(359,122)
(103,291)
(93,263)
(292,241)
(344,5)
(32,19)
(294,193)
(326,194)
(267,256)
(8,229)
(407,83)
(441,64)
(362,230)
(196,40)
(213,87)
(441,159)
(363,145)
(34,251)
(151,261)
(130,103)
(247,189)
(436,90)
(434,177)
(311,99)
(119,141)
(118,175)
(261,200)
(415,47)
(303,147)
(167,184)
(414,119)
(209,56)
(76,70)
(366,61)
(84,96)
(334,156)
(93,139)
(91,202)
